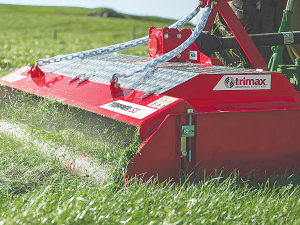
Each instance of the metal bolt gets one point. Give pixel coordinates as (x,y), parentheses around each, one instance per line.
(166,36)
(190,111)
(200,3)
(179,56)
(183,153)
(186,131)
(179,36)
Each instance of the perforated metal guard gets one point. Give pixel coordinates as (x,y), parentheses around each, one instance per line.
(165,77)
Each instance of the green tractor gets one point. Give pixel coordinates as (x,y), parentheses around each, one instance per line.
(288,23)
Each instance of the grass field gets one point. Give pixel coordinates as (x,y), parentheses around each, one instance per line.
(36,187)
(27,33)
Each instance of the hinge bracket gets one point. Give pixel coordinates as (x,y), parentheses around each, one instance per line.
(187,131)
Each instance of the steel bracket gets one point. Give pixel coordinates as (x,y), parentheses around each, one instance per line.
(187,131)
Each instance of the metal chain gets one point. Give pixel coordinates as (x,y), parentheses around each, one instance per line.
(116,47)
(151,65)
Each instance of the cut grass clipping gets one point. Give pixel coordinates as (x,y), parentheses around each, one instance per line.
(85,143)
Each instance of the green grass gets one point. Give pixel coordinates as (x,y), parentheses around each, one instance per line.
(67,126)
(27,33)
(70,200)
(35,188)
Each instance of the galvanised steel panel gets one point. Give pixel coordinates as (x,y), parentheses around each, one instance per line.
(100,69)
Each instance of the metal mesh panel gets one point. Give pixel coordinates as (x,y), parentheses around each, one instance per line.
(165,77)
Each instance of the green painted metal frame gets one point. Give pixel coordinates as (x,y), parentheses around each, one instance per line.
(292,72)
(276,58)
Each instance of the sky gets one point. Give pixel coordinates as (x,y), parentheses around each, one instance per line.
(173,9)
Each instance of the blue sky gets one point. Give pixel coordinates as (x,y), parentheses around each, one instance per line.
(174,9)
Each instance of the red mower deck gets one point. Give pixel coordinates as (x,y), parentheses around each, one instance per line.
(242,118)
(191,116)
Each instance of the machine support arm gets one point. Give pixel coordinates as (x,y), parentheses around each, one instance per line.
(208,43)
(242,37)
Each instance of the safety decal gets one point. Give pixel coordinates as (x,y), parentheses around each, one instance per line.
(13,77)
(193,55)
(129,109)
(22,70)
(162,102)
(244,82)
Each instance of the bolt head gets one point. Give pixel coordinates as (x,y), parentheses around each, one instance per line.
(166,36)
(179,36)
(190,111)
(186,131)
(183,153)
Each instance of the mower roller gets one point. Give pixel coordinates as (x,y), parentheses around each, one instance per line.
(193,113)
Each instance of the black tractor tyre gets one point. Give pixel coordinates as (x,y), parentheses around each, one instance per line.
(257,16)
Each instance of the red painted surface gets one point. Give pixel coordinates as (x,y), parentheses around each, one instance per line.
(90,95)
(266,141)
(242,129)
(35,71)
(203,98)
(159,154)
(162,41)
(115,89)
(211,20)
